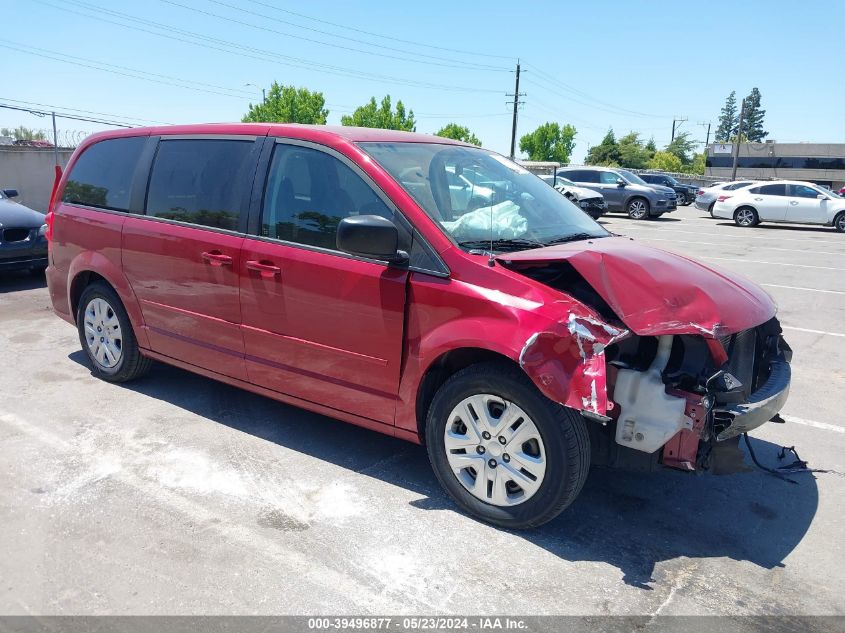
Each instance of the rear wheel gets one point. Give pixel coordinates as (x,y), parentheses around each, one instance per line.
(710,210)
(503,451)
(746,216)
(107,337)
(638,208)
(839,223)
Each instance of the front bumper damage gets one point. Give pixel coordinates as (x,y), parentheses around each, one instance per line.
(762,405)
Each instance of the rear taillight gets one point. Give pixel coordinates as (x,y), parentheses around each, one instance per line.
(722,198)
(48,220)
(700,192)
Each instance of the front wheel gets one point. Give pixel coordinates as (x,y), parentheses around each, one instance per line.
(638,208)
(503,451)
(839,223)
(681,200)
(746,216)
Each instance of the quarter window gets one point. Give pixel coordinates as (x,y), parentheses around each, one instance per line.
(102,176)
(200,181)
(309,192)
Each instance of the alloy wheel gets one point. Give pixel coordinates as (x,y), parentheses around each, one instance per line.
(102,333)
(840,223)
(637,209)
(745,217)
(495,450)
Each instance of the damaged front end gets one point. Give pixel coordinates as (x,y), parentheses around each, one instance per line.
(675,361)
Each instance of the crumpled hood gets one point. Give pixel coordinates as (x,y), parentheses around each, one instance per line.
(580,192)
(655,292)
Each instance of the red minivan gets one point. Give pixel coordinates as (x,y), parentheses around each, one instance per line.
(416,286)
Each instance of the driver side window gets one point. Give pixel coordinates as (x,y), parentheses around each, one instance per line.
(803,191)
(309,192)
(609,178)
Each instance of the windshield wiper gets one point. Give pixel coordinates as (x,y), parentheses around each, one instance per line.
(573,237)
(514,243)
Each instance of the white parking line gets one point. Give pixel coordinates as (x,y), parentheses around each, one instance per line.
(816,425)
(646,227)
(804,329)
(768,248)
(833,292)
(757,261)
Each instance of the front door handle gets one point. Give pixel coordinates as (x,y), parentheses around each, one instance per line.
(216,258)
(267,269)
(793,202)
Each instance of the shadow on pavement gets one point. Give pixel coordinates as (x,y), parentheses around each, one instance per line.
(629,520)
(13,281)
(827,230)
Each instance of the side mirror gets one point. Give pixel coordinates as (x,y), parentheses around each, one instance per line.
(620,182)
(371,236)
(821,196)
(10,193)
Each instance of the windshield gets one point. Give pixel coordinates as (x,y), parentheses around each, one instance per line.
(631,177)
(476,196)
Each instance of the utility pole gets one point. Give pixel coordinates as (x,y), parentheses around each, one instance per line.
(676,120)
(516,103)
(738,140)
(708,124)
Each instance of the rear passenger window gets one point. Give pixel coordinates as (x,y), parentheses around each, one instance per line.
(309,192)
(102,177)
(770,190)
(200,181)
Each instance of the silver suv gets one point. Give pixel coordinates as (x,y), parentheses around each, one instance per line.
(624,191)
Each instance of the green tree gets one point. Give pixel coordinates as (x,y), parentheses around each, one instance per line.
(665,161)
(632,153)
(697,165)
(728,120)
(752,124)
(682,147)
(651,146)
(458,133)
(606,152)
(22,133)
(383,116)
(287,104)
(549,141)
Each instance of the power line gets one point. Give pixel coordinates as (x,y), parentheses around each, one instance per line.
(603,105)
(124,71)
(251,52)
(346,27)
(108,114)
(450,62)
(64,116)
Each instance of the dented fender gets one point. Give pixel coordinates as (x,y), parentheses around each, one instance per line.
(566,361)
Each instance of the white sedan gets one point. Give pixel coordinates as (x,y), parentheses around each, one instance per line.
(781,201)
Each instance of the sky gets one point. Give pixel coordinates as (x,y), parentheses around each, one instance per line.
(632,66)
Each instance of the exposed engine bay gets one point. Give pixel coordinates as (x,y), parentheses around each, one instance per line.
(681,398)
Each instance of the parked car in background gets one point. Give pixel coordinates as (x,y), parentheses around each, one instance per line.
(842,191)
(782,201)
(590,201)
(685,193)
(706,198)
(23,245)
(329,268)
(624,191)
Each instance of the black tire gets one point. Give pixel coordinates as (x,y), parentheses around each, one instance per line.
(563,431)
(710,210)
(746,217)
(131,364)
(839,222)
(638,208)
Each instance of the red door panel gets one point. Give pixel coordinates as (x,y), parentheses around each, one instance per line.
(186,281)
(324,328)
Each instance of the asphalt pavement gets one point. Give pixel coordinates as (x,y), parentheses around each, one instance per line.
(179,495)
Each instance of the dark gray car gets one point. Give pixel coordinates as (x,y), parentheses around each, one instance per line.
(23,245)
(624,191)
